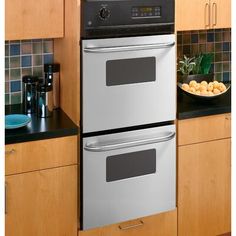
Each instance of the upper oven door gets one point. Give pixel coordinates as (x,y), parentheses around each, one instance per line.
(128,82)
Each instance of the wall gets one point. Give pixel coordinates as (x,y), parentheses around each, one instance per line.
(25,57)
(216,41)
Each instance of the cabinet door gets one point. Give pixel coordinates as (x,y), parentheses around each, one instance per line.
(204,188)
(221,13)
(30,19)
(42,203)
(164,224)
(192,14)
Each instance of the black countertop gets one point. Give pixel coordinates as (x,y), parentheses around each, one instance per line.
(188,107)
(59,125)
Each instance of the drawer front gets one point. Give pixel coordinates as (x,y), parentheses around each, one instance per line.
(43,154)
(164,224)
(204,129)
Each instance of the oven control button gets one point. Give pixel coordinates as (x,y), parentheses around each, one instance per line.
(104,13)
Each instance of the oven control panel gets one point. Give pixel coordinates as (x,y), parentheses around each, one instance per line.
(146,12)
(117,18)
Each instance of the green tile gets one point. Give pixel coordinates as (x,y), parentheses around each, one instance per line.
(26,71)
(218,67)
(218,47)
(218,37)
(15,98)
(38,71)
(15,62)
(202,38)
(37,48)
(15,74)
(48,46)
(7,50)
(7,87)
(219,76)
(37,60)
(7,99)
(7,62)
(6,75)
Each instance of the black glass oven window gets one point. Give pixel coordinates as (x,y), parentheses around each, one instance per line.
(130,71)
(129,165)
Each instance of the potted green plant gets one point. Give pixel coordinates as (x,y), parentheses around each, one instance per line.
(195,68)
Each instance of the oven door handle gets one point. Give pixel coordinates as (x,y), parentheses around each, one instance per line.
(129,48)
(95,147)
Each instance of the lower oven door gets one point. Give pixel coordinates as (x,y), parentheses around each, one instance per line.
(128,175)
(128,82)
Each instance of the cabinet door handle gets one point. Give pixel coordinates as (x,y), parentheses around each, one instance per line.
(6,208)
(10,151)
(207,15)
(214,13)
(141,223)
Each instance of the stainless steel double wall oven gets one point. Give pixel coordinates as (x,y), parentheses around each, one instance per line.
(128,107)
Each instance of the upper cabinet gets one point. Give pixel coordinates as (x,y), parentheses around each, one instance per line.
(202,14)
(30,19)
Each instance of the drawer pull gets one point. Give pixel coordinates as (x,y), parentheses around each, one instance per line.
(141,223)
(10,151)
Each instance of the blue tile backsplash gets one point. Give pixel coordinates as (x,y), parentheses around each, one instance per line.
(25,57)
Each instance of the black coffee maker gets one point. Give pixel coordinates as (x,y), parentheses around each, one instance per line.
(29,93)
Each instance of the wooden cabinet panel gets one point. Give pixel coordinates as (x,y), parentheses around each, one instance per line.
(67,53)
(204,188)
(192,15)
(30,19)
(202,14)
(221,13)
(204,129)
(164,224)
(42,203)
(36,155)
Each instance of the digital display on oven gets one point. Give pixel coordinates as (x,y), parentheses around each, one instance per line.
(146,12)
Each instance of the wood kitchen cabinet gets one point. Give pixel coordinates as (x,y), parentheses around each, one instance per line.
(30,19)
(42,203)
(41,188)
(202,14)
(164,224)
(204,177)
